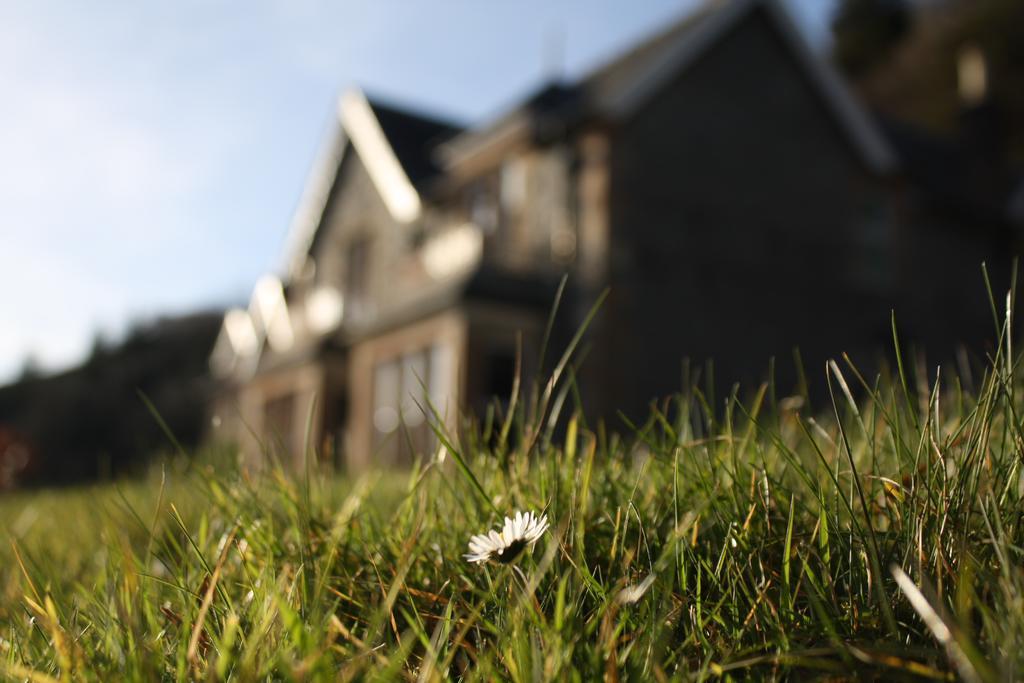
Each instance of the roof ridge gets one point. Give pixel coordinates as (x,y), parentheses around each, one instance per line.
(416,111)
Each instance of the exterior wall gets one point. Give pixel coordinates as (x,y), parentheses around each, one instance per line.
(397,283)
(355,211)
(592,219)
(396,276)
(534,199)
(738,212)
(592,186)
(521,202)
(448,329)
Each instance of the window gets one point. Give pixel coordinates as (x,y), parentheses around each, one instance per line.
(401,416)
(513,185)
(278,421)
(414,378)
(357,276)
(442,370)
(498,202)
(483,206)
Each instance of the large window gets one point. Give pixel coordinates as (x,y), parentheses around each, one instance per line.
(484,210)
(402,387)
(357,277)
(442,370)
(414,379)
(513,183)
(278,423)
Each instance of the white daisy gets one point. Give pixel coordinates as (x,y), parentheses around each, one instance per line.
(518,533)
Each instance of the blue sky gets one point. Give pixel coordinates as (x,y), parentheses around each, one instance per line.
(152,153)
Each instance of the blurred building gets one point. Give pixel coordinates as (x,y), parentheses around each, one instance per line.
(111,414)
(720,179)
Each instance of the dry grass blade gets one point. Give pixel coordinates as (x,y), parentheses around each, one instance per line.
(947,635)
(204,608)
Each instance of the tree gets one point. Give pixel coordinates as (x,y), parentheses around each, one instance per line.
(866,31)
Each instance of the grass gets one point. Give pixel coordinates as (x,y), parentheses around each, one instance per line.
(880,539)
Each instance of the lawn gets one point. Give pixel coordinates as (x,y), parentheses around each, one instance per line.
(877,535)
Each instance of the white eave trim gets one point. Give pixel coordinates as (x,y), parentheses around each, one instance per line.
(358,125)
(314,198)
(853,120)
(367,137)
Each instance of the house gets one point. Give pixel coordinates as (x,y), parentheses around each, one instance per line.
(719,180)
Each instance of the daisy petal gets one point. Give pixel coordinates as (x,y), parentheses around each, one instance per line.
(523,529)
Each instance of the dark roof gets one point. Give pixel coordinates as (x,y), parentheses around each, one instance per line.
(556,104)
(615,90)
(412,136)
(623,69)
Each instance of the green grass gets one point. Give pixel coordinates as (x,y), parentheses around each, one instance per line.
(879,539)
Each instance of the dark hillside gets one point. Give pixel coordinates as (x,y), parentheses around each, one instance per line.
(90,422)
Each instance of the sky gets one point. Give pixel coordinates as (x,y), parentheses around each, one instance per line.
(152,153)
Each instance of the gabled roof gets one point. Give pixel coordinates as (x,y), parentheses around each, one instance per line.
(404,151)
(413,137)
(559,101)
(395,146)
(619,88)
(620,72)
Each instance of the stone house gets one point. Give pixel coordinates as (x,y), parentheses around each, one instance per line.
(718,179)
